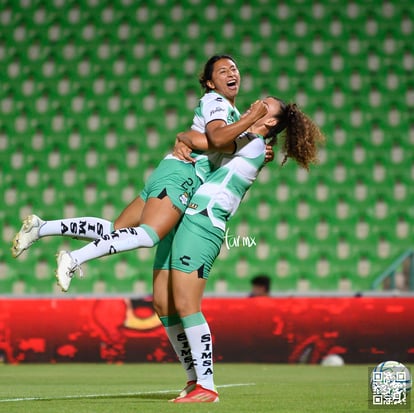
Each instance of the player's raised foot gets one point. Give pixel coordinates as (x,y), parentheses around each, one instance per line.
(28,234)
(190,386)
(66,269)
(199,395)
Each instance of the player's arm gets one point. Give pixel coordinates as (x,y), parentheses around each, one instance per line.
(191,140)
(198,141)
(220,134)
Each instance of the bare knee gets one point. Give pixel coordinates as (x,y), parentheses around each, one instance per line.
(163,301)
(120,223)
(116,225)
(188,291)
(131,215)
(185,307)
(163,307)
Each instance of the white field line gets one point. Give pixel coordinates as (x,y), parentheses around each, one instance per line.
(103,395)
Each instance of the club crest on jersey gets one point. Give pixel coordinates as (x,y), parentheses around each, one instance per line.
(184,198)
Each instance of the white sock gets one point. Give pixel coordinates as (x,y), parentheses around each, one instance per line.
(199,337)
(179,342)
(124,239)
(83,227)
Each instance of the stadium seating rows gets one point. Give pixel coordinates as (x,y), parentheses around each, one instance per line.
(95,91)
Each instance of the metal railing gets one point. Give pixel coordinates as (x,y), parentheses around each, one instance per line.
(387,279)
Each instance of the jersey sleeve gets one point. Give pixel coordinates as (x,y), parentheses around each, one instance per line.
(211,107)
(216,108)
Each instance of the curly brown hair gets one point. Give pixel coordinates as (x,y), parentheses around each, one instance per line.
(301,136)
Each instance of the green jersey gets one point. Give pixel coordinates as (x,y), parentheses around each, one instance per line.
(220,196)
(212,106)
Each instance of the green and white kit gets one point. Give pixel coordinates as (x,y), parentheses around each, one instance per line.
(199,237)
(211,107)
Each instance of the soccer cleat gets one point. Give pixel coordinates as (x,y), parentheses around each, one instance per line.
(66,268)
(190,386)
(28,234)
(199,395)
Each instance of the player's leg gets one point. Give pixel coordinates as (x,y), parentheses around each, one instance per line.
(34,227)
(158,218)
(174,329)
(193,253)
(131,215)
(165,308)
(87,228)
(167,193)
(163,301)
(163,200)
(188,291)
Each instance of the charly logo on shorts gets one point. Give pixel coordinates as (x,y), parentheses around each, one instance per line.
(236,241)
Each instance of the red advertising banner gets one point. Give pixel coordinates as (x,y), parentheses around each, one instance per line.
(285,330)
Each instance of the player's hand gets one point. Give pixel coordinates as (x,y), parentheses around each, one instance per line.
(182,151)
(257,110)
(269,155)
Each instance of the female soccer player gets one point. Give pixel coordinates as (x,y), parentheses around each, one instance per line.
(201,232)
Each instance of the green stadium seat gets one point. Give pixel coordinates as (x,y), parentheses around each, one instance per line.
(122,274)
(285,272)
(318,272)
(9,276)
(364,270)
(88,284)
(13,197)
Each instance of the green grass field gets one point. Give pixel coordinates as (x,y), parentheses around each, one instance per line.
(99,388)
